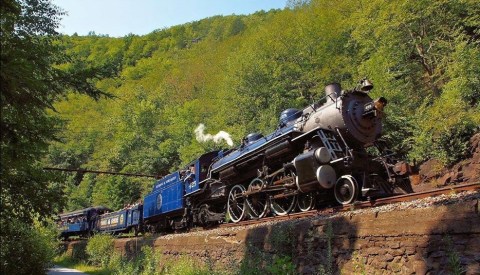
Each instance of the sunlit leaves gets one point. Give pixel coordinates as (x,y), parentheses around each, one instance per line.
(237,73)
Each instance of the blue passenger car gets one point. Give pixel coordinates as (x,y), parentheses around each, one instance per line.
(80,223)
(125,220)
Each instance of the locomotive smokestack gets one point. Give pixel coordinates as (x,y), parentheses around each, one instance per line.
(332,91)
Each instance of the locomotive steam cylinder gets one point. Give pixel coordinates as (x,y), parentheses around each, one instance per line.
(312,167)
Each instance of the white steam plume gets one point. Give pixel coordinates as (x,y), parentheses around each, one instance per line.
(202,137)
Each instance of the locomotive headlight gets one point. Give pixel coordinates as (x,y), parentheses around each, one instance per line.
(369,110)
(375,108)
(368,107)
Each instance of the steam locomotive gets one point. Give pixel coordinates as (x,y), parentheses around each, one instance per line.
(329,152)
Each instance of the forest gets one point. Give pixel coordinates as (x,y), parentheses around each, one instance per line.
(131,104)
(237,73)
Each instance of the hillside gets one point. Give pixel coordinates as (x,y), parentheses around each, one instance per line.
(237,73)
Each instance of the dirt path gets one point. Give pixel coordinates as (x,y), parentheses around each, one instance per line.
(58,270)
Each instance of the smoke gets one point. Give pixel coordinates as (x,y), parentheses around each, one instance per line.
(202,137)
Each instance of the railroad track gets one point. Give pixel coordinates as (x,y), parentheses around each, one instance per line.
(361,205)
(343,208)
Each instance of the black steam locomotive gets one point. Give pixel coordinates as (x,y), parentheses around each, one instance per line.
(316,155)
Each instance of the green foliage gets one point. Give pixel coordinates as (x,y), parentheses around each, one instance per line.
(284,240)
(281,265)
(423,62)
(27,249)
(100,249)
(30,83)
(279,260)
(329,256)
(33,77)
(69,262)
(448,145)
(151,260)
(187,266)
(115,192)
(359,264)
(257,261)
(145,263)
(237,73)
(121,266)
(454,263)
(24,86)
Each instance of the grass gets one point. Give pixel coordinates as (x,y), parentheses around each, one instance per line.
(68,262)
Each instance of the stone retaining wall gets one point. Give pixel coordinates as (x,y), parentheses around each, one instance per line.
(420,240)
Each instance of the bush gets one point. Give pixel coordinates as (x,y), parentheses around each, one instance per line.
(281,265)
(100,249)
(257,261)
(120,266)
(447,144)
(186,266)
(147,263)
(444,127)
(150,260)
(26,249)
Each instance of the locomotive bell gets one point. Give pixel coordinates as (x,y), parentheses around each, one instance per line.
(365,85)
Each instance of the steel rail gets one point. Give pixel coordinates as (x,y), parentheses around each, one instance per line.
(361,205)
(345,208)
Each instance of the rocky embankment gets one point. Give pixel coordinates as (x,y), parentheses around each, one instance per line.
(427,236)
(434,174)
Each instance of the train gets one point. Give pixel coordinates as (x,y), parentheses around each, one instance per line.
(329,152)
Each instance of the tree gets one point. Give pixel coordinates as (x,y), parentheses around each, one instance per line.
(31,80)
(423,56)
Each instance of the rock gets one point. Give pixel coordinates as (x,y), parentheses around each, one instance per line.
(420,267)
(438,254)
(473,268)
(410,250)
(308,270)
(379,264)
(398,252)
(430,169)
(395,245)
(475,143)
(445,179)
(374,251)
(471,171)
(458,176)
(387,258)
